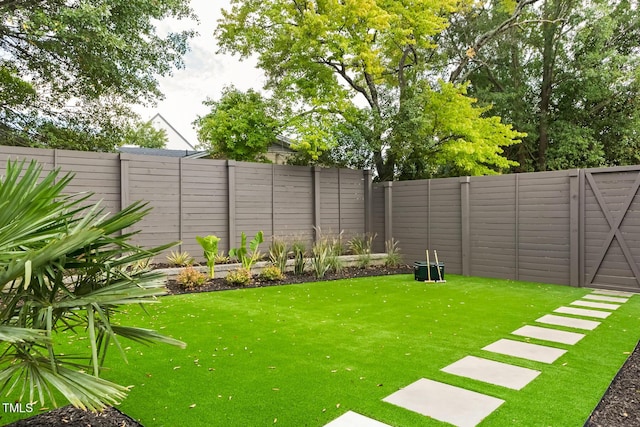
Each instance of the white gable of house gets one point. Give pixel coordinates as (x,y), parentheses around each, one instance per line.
(175,140)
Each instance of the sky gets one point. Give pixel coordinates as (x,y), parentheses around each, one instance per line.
(204,75)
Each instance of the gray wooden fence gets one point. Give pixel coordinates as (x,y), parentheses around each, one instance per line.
(193,197)
(576,227)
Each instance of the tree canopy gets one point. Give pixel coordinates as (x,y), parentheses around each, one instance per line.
(566,72)
(368,65)
(146,136)
(68,69)
(240,126)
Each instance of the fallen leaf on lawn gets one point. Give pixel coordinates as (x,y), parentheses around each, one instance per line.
(275,420)
(334,371)
(338,405)
(176,367)
(192,406)
(275,389)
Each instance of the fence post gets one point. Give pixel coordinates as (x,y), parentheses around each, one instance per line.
(466,226)
(388,210)
(124,184)
(124,181)
(180,210)
(574,227)
(316,202)
(231,212)
(517,225)
(368,203)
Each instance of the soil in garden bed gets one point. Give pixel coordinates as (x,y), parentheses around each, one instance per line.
(68,416)
(219,284)
(620,405)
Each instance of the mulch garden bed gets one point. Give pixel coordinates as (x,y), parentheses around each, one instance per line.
(619,407)
(219,284)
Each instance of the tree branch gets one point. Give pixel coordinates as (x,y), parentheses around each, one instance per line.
(489,35)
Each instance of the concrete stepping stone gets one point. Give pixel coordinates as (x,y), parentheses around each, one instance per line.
(618,293)
(444,402)
(353,419)
(592,304)
(525,350)
(569,322)
(492,372)
(547,334)
(606,298)
(583,312)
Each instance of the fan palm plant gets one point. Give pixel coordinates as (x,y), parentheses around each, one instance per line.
(65,266)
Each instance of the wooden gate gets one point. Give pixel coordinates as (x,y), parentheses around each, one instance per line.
(610,228)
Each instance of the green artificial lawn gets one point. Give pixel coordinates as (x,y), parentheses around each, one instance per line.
(302,355)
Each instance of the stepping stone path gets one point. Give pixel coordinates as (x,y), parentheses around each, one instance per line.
(596,305)
(582,312)
(444,402)
(546,334)
(492,372)
(525,350)
(606,298)
(353,419)
(465,408)
(570,322)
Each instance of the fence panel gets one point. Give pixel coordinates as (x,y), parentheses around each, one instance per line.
(544,227)
(445,222)
(293,203)
(493,226)
(204,203)
(612,228)
(352,207)
(156,181)
(254,200)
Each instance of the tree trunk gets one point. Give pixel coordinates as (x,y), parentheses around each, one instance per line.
(546,90)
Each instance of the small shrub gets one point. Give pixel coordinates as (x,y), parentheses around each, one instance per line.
(363,261)
(141,265)
(271,273)
(180,259)
(210,246)
(221,258)
(361,245)
(320,258)
(242,254)
(336,249)
(190,278)
(393,258)
(278,254)
(299,252)
(241,276)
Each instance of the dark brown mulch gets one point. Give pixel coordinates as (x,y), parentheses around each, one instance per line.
(68,416)
(619,407)
(219,284)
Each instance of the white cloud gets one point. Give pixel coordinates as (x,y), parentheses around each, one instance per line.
(205,73)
